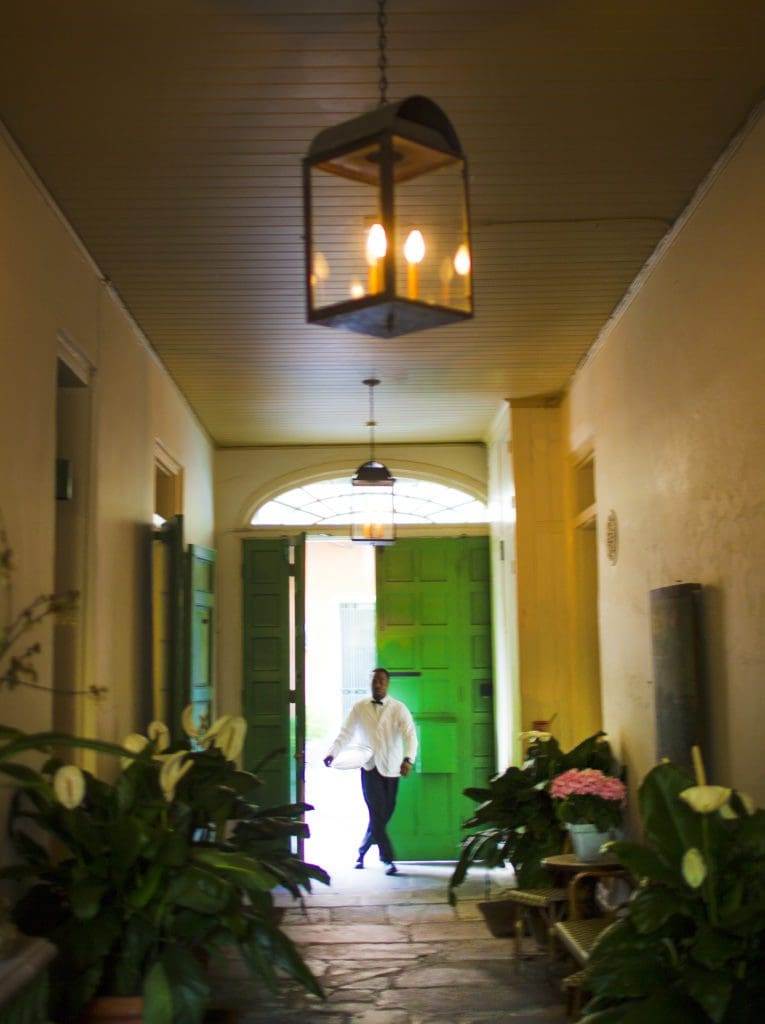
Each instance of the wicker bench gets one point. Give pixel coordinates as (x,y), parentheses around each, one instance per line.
(577,935)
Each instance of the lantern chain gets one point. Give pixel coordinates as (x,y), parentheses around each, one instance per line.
(382,60)
(371,383)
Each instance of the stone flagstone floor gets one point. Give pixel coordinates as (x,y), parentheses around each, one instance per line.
(392,951)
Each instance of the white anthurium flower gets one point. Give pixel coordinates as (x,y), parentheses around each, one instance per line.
(160,734)
(135,743)
(534,734)
(230,737)
(189,723)
(706,799)
(172,771)
(69,786)
(694,867)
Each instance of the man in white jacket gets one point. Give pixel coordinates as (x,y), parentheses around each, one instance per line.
(385,725)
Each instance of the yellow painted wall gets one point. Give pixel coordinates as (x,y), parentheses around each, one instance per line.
(49,287)
(673,399)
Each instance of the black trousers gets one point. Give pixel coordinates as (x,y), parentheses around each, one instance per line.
(380,797)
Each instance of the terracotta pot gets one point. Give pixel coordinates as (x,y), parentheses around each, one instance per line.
(113,1010)
(499,916)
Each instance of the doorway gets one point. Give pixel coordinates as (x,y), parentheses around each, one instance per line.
(340,653)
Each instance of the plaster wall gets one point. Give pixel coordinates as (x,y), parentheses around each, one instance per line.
(246,477)
(673,401)
(507,696)
(52,295)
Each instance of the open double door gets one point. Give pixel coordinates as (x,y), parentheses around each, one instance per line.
(433,635)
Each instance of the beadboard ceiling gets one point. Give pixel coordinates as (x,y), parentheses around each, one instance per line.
(170,133)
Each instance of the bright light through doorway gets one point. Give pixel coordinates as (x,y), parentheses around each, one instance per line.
(340,656)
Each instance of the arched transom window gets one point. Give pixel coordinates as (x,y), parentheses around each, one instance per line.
(333,503)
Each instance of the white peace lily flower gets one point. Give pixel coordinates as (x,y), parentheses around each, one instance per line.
(534,734)
(172,771)
(160,733)
(230,737)
(694,867)
(706,799)
(727,812)
(188,722)
(69,786)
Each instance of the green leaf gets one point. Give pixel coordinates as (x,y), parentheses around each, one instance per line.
(713,948)
(190,990)
(653,906)
(200,890)
(711,990)
(643,862)
(247,871)
(157,997)
(85,898)
(670,825)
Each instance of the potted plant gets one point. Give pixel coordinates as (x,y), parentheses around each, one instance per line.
(515,821)
(150,873)
(590,803)
(691,946)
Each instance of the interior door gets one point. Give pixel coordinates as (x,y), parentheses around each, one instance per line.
(201,607)
(273,697)
(434,637)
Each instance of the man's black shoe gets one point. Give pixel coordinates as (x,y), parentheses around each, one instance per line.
(359,865)
(392,870)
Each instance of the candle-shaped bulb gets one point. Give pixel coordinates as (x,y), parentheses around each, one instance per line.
(414,247)
(462,260)
(414,253)
(377,243)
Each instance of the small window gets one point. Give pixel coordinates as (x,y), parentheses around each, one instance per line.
(333,503)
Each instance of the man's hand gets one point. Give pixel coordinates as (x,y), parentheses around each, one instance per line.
(328,760)
(406,767)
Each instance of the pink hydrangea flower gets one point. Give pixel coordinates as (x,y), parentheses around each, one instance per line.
(588,782)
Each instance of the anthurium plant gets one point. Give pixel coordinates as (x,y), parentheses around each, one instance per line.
(515,821)
(691,947)
(149,873)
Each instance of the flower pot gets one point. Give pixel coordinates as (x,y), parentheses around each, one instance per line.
(587,841)
(113,1010)
(499,916)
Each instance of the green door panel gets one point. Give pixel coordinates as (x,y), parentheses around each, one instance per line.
(434,636)
(201,606)
(272,628)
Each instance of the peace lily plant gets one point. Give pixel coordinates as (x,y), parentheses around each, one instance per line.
(691,946)
(146,874)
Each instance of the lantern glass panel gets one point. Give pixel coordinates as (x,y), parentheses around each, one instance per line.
(434,268)
(373,514)
(344,207)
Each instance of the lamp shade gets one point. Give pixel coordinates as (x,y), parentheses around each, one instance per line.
(387,237)
(373,519)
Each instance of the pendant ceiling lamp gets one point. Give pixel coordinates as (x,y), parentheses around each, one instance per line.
(373,491)
(387,235)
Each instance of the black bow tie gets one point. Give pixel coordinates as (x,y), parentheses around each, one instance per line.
(377,701)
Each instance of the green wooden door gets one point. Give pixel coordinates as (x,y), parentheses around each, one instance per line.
(273,665)
(201,605)
(434,636)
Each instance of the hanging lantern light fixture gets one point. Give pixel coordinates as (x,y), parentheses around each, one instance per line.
(373,521)
(387,234)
